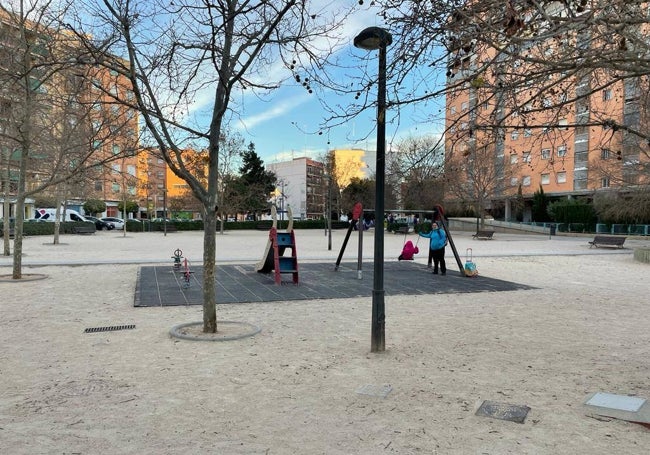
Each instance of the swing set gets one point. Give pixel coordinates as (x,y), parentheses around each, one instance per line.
(437,215)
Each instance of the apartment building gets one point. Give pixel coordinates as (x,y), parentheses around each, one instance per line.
(518,126)
(81,141)
(301,186)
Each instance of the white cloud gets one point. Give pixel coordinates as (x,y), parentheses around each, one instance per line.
(278,109)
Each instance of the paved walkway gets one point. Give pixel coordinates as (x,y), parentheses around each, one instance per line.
(239,251)
(110,247)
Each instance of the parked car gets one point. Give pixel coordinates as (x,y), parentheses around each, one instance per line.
(100,224)
(117,223)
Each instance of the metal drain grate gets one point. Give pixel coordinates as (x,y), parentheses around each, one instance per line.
(110,328)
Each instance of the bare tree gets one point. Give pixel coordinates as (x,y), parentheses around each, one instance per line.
(475,173)
(48,132)
(176,52)
(417,165)
(552,71)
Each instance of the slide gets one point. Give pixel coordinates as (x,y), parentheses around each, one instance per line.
(265,265)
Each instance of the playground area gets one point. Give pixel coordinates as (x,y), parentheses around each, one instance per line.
(573,321)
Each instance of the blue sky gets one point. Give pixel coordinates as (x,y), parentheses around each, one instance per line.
(286,123)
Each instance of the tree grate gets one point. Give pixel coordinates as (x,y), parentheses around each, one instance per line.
(109,328)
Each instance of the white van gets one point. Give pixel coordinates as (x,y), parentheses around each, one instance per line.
(50,214)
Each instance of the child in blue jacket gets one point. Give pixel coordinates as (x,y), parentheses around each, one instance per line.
(437,241)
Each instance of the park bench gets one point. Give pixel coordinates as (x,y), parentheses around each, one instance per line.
(11,233)
(607,240)
(485,235)
(170,228)
(402,230)
(90,229)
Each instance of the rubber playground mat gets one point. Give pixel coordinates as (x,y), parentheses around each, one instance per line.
(162,286)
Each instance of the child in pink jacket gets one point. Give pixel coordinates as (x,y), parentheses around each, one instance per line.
(408,251)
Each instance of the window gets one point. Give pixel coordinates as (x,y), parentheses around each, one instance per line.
(546,154)
(525,181)
(607,94)
(561,150)
(452,110)
(514,181)
(604,182)
(547,102)
(546,179)
(464,106)
(514,135)
(116,168)
(605,154)
(526,157)
(98,185)
(115,187)
(160,174)
(116,149)
(561,177)
(130,169)
(563,123)
(528,132)
(514,158)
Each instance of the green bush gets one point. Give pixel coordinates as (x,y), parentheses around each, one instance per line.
(576,211)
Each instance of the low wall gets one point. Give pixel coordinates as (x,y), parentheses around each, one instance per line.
(642,254)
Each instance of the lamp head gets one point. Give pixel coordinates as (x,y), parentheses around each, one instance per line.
(373,38)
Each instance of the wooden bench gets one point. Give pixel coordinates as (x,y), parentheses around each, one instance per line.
(263,226)
(402,230)
(485,235)
(606,240)
(90,229)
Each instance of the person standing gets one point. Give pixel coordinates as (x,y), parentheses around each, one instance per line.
(437,241)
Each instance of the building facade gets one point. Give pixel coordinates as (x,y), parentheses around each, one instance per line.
(65,133)
(514,126)
(301,187)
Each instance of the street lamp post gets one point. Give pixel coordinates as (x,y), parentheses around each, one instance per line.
(376,38)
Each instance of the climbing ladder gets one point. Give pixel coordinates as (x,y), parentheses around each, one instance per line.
(281,241)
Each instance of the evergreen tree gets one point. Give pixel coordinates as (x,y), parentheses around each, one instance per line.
(256,183)
(540,206)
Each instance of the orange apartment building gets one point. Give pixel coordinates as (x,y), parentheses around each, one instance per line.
(80,120)
(529,138)
(160,191)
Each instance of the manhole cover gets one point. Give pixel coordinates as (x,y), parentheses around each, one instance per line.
(375,390)
(503,411)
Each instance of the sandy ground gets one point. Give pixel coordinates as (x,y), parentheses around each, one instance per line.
(294,387)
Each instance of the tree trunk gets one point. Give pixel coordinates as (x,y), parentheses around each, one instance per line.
(209,271)
(18,237)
